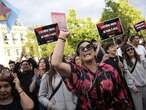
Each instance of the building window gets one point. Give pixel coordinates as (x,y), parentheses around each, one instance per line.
(14,40)
(17,52)
(8,52)
(21,36)
(6,39)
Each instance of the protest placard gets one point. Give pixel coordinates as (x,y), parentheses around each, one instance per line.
(60,19)
(110,28)
(140,26)
(47,33)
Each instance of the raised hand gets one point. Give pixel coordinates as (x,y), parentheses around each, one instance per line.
(64,34)
(17,83)
(105,57)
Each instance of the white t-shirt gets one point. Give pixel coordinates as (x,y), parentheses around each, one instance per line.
(119,52)
(141,51)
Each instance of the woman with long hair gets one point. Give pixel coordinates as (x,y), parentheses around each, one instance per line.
(43,67)
(62,98)
(136,79)
(98,86)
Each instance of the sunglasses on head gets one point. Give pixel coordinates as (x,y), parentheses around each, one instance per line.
(129,49)
(87,47)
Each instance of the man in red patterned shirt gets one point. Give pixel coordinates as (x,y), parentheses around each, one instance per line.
(98,86)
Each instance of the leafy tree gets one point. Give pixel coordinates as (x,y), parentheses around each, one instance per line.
(80,28)
(32,47)
(127,14)
(31,44)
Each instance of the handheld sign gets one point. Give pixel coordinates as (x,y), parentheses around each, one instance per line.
(140,26)
(109,28)
(47,33)
(60,19)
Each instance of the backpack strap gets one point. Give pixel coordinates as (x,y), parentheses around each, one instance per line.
(55,90)
(133,66)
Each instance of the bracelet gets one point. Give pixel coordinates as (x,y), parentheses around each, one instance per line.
(63,39)
(20,92)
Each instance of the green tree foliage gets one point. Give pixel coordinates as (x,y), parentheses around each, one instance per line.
(80,28)
(31,45)
(128,14)
(37,50)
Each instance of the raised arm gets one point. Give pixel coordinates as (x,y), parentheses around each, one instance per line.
(33,84)
(59,65)
(26,101)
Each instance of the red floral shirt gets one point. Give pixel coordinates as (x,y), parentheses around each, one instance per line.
(102,90)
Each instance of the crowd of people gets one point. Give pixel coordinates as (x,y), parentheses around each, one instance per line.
(98,77)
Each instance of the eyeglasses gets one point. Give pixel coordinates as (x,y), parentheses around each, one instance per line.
(129,49)
(87,47)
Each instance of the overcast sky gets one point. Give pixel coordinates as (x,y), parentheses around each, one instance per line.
(33,12)
(140,5)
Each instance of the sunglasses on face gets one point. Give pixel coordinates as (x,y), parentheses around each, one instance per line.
(129,49)
(87,47)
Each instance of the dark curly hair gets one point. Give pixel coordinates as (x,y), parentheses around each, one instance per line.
(133,36)
(7,75)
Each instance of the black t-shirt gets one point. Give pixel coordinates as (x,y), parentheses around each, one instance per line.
(15,105)
(25,80)
(99,55)
(114,61)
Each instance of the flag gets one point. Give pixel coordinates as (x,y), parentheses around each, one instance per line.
(11,20)
(12,15)
(4,11)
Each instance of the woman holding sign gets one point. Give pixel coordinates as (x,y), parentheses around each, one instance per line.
(98,86)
